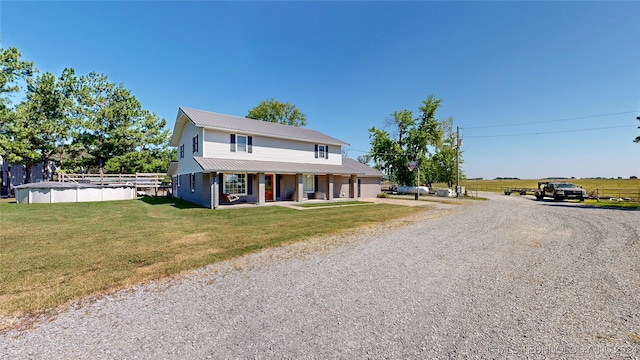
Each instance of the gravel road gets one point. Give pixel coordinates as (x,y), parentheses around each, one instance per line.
(506,278)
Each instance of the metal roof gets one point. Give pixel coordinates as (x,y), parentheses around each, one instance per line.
(251,166)
(211,120)
(366,170)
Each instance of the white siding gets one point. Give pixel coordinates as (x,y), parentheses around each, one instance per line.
(217,145)
(187,165)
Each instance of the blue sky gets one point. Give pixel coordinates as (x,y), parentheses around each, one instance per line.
(348,65)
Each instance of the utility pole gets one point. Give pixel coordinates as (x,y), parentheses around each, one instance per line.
(418,185)
(457,161)
(412,166)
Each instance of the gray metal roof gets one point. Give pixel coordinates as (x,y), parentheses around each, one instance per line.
(227,165)
(366,170)
(230,123)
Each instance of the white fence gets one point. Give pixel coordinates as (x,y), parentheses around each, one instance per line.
(47,195)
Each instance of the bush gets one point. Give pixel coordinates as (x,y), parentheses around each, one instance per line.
(383,195)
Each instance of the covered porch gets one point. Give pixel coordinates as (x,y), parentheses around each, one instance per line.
(228,188)
(229,182)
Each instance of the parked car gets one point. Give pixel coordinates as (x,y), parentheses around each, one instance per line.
(560,191)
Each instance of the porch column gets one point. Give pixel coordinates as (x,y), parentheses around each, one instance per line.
(353,192)
(215,193)
(261,196)
(299,188)
(330,187)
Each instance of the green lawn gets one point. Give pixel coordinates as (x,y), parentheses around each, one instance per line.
(54,253)
(614,204)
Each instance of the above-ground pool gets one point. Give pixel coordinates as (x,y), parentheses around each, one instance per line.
(59,192)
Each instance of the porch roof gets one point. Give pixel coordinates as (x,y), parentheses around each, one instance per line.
(255,166)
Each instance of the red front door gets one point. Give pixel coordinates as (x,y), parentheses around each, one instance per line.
(268,187)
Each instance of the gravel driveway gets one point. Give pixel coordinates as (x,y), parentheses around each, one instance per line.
(507,278)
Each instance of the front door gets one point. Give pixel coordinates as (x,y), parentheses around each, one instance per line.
(268,187)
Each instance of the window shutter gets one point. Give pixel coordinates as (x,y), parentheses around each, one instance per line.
(249,144)
(315,181)
(233,142)
(278,180)
(326,151)
(316,151)
(249,184)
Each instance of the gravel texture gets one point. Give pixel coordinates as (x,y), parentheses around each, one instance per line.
(507,278)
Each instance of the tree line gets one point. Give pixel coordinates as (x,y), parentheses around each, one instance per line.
(79,123)
(423,139)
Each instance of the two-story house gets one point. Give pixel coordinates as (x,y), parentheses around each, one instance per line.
(226,159)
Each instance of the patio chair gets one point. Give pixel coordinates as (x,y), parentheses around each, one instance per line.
(230,198)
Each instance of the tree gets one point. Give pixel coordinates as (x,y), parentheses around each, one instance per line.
(85,122)
(150,151)
(20,138)
(364,159)
(12,69)
(114,132)
(444,158)
(278,112)
(46,115)
(422,139)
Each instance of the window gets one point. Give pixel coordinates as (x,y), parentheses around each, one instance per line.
(178,180)
(322,151)
(308,182)
(235,184)
(182,151)
(195,144)
(192,182)
(241,146)
(241,143)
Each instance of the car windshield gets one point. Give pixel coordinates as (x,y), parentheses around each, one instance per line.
(560,186)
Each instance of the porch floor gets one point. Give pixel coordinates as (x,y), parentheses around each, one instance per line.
(286,203)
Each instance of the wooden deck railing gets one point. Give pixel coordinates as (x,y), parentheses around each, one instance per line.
(139,180)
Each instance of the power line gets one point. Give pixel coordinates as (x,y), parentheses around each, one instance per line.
(381,153)
(549,121)
(550,132)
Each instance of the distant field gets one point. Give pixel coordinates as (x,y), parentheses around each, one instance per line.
(588,184)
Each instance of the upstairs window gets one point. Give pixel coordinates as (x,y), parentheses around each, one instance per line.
(182,151)
(195,144)
(241,143)
(322,151)
(241,146)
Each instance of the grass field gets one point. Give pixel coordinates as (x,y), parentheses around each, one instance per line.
(603,188)
(588,184)
(54,253)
